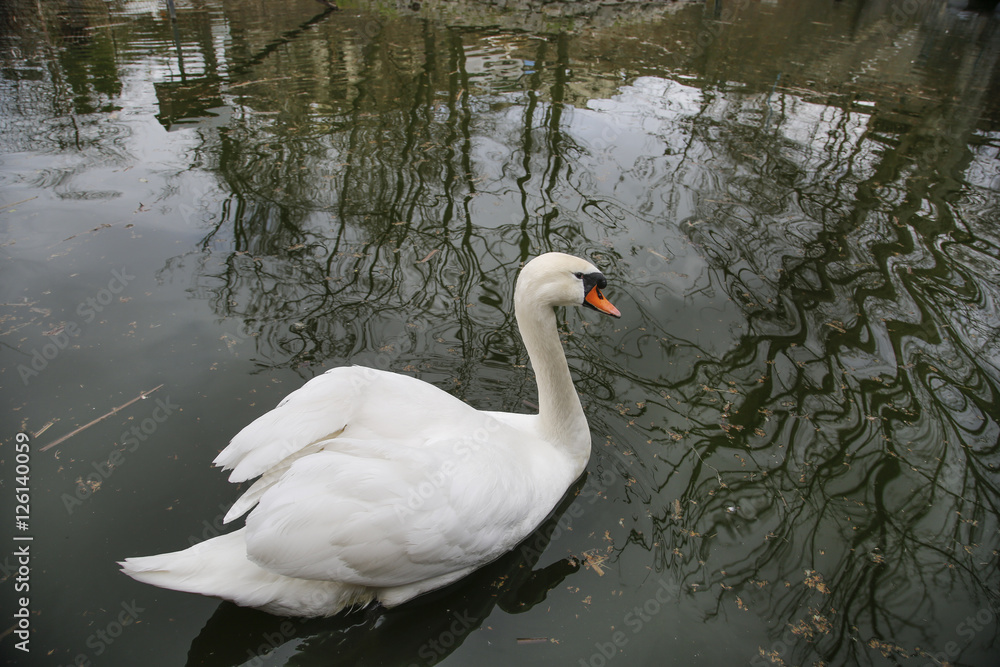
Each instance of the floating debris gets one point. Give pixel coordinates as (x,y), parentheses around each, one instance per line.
(815,580)
(594,562)
(429,255)
(104,416)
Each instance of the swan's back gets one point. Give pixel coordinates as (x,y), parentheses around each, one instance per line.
(388,499)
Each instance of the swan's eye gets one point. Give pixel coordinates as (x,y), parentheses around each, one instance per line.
(579,274)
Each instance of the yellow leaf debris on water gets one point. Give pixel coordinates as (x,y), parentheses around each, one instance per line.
(815,580)
(594,561)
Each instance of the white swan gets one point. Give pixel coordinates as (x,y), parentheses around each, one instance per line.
(378,486)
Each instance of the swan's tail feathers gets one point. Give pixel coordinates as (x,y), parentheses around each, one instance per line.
(219,567)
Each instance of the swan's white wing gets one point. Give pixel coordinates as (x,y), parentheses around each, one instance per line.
(314,412)
(321,409)
(381,516)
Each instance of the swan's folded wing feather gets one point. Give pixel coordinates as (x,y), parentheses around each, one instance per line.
(315,412)
(352,397)
(391,518)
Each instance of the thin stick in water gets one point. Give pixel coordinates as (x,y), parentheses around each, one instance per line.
(104,416)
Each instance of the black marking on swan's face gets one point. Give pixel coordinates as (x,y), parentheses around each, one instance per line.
(592,280)
(593,297)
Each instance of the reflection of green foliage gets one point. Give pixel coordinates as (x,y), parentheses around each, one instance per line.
(827,459)
(854,423)
(91,71)
(805,423)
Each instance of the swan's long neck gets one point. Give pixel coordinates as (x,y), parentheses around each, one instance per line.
(561,418)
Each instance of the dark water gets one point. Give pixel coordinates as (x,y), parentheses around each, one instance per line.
(796,203)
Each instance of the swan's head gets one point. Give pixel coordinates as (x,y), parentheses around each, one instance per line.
(557,279)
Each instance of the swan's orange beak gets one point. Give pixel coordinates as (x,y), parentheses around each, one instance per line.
(595,299)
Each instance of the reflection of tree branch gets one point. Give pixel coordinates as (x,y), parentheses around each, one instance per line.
(844,427)
(853,445)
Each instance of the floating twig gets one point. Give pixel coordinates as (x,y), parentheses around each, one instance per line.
(104,416)
(594,563)
(429,255)
(44,428)
(250,83)
(7,206)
